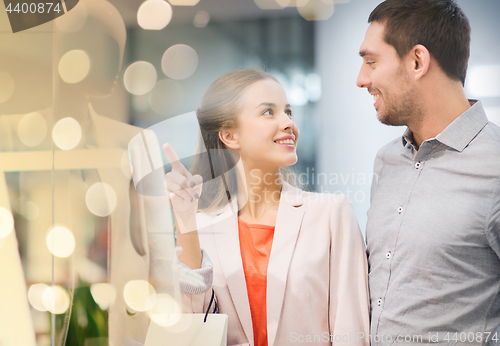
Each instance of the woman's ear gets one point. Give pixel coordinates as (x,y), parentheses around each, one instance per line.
(230,138)
(420,59)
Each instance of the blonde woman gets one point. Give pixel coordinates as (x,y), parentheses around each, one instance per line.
(286,266)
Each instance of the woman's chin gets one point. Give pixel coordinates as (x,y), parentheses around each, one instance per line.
(289,162)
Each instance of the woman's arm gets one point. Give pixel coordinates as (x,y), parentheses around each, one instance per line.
(184,190)
(349,298)
(193,267)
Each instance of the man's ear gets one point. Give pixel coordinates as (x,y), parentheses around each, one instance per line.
(230,138)
(420,59)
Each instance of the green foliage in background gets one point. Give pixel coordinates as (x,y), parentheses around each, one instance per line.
(87,321)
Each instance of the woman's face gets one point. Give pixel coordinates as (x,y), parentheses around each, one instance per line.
(266,134)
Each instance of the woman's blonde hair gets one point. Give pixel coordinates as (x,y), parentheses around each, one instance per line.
(219,110)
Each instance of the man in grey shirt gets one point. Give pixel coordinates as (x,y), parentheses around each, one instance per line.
(433,233)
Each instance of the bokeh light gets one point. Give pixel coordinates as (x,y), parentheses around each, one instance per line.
(166,97)
(312,82)
(35,296)
(166,311)
(201,19)
(101,199)
(6,222)
(104,294)
(482,81)
(154,14)
(315,9)
(139,295)
(67,133)
(140,77)
(298,94)
(7,86)
(272,4)
(179,61)
(183,2)
(55,299)
(32,129)
(73,20)
(60,241)
(74,66)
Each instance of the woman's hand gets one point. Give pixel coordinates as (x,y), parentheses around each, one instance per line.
(184,190)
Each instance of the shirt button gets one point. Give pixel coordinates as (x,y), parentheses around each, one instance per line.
(388,255)
(418,165)
(379,302)
(400,210)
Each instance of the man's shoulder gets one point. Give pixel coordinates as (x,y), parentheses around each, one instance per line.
(487,145)
(493,132)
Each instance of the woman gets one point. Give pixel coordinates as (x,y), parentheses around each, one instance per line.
(286,266)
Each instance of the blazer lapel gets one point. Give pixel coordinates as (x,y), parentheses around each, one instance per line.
(288,223)
(226,236)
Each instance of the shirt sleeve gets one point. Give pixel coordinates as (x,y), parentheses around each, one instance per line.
(349,300)
(195,280)
(195,284)
(493,231)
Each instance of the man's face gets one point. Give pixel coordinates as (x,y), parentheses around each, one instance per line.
(385,76)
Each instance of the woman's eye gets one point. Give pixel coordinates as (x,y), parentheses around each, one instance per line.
(288,112)
(370,63)
(268,112)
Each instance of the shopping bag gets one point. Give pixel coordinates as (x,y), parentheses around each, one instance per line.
(187,330)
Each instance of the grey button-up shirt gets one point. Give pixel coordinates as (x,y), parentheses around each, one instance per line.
(433,236)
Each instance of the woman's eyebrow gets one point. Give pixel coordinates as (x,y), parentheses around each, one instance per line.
(266,104)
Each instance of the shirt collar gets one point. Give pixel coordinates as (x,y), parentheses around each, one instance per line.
(461,131)
(407,137)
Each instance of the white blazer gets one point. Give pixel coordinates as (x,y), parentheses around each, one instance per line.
(317,290)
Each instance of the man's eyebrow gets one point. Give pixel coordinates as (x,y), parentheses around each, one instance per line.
(363,53)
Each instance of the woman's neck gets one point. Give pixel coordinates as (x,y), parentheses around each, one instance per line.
(263,192)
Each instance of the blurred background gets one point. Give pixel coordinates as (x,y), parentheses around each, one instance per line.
(313,50)
(164,55)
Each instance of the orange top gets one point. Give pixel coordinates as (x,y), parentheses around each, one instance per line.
(255,245)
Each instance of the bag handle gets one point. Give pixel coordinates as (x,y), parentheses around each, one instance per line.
(209,305)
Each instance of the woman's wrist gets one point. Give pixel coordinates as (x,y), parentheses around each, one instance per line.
(186,222)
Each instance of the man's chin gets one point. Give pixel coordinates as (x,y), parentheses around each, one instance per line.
(387,119)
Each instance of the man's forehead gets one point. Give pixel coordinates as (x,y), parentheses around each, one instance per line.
(374,40)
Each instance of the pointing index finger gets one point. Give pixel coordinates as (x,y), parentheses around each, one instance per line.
(174,160)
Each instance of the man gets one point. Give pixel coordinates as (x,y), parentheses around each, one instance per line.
(433,233)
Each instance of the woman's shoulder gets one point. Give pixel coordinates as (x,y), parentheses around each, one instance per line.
(334,200)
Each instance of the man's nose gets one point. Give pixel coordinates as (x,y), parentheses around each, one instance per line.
(363,80)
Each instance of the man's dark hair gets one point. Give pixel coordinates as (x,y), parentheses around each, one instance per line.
(439,25)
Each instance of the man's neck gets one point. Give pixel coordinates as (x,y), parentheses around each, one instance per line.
(440,108)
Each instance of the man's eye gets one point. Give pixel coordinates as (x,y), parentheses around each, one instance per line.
(370,63)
